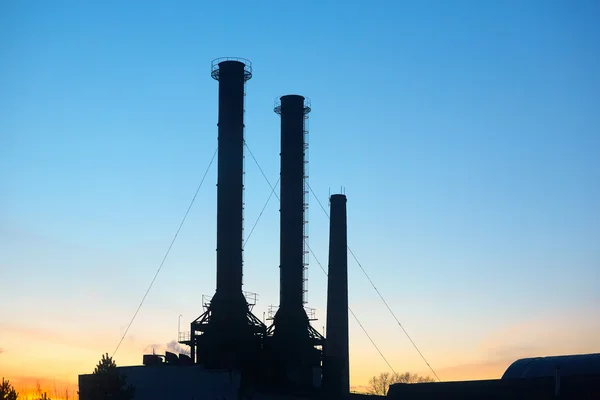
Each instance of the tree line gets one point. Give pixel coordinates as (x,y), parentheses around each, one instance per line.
(380,384)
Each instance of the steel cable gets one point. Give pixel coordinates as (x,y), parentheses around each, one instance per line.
(167,253)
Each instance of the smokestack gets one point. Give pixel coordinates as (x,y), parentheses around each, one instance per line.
(336,369)
(227,334)
(232,76)
(293,113)
(293,337)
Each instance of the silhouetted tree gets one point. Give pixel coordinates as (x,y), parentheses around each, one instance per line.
(106,365)
(107,383)
(380,384)
(7,391)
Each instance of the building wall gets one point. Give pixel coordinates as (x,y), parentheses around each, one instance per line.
(187,383)
(176,382)
(572,387)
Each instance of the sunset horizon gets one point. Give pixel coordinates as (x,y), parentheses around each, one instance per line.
(465,137)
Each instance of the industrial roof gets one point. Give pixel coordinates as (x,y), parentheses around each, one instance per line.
(537,367)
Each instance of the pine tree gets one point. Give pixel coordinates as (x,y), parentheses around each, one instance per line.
(7,391)
(107,383)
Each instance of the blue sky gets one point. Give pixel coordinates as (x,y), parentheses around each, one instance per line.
(466,135)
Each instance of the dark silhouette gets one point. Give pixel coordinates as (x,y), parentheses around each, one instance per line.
(380,384)
(286,358)
(108,383)
(292,339)
(7,391)
(336,371)
(228,335)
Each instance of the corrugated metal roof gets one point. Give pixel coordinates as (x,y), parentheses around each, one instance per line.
(537,367)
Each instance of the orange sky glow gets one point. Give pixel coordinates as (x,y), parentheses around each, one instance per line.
(54,360)
(464,133)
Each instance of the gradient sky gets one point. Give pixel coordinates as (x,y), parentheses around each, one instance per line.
(466,135)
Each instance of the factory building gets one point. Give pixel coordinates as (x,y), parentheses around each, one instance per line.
(539,378)
(234,355)
(232,352)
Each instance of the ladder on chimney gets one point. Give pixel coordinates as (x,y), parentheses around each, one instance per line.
(243,177)
(305,253)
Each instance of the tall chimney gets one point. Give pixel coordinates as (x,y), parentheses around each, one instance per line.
(294,339)
(232,76)
(227,334)
(291,252)
(336,369)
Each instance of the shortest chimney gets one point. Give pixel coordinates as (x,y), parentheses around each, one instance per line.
(336,369)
